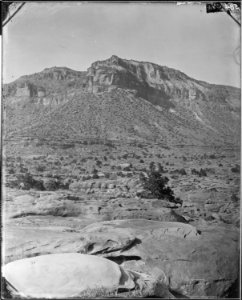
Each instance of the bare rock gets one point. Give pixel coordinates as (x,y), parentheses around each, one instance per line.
(65,275)
(197,263)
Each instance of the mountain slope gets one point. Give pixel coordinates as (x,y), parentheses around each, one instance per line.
(122,100)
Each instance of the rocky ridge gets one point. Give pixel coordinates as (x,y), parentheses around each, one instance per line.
(146,100)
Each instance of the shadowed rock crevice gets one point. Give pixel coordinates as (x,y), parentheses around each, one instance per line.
(122,258)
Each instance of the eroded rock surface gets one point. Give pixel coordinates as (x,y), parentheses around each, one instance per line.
(196,262)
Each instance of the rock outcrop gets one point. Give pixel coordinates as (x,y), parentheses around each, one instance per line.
(196,262)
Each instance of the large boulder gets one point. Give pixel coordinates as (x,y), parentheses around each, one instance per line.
(65,275)
(76,275)
(197,262)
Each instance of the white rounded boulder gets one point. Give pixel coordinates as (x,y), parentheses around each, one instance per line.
(64,275)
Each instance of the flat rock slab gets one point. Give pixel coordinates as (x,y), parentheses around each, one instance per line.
(198,262)
(202,262)
(64,275)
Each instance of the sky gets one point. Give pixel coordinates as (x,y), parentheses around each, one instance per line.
(76,34)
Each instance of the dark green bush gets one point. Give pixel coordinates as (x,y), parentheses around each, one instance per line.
(235,198)
(200,173)
(11,171)
(155,186)
(95,174)
(236,169)
(40,168)
(26,182)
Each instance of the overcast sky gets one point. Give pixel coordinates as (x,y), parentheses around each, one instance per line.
(76,34)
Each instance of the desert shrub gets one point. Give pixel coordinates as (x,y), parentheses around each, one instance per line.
(152,166)
(40,168)
(200,173)
(210,170)
(86,177)
(235,198)
(179,171)
(110,144)
(66,183)
(140,145)
(51,184)
(99,163)
(156,185)
(235,169)
(95,174)
(23,170)
(161,169)
(39,144)
(11,171)
(174,176)
(67,146)
(26,181)
(121,174)
(141,161)
(182,171)
(107,175)
(194,172)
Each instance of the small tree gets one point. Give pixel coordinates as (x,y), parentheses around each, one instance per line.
(156,185)
(95,174)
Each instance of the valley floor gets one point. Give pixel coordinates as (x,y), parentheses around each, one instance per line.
(52,196)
